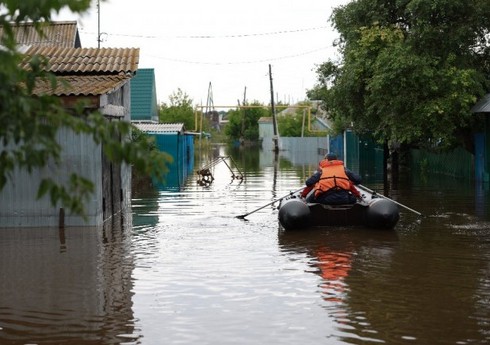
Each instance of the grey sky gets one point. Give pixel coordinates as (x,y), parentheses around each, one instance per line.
(230,44)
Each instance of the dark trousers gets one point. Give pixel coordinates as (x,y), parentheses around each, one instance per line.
(339,197)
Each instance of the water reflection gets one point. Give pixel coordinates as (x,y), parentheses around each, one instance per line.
(379,286)
(66,286)
(334,256)
(424,292)
(188,271)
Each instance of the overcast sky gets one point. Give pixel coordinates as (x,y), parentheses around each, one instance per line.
(230,44)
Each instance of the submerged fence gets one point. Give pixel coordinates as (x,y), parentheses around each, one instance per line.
(457,163)
(364,156)
(361,155)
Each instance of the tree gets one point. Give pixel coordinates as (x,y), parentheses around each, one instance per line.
(29,124)
(180,110)
(243,123)
(410,70)
(290,125)
(296,124)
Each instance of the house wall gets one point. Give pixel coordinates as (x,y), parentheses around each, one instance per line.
(181,148)
(80,155)
(266,129)
(481,173)
(116,178)
(486,151)
(144,105)
(19,206)
(482,153)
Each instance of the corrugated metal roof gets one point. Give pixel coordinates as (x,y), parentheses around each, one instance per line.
(321,124)
(85,85)
(160,128)
(82,71)
(61,34)
(483,105)
(267,119)
(86,60)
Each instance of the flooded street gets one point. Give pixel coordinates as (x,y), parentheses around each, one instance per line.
(185,270)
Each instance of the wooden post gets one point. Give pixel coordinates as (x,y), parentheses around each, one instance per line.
(61,221)
(273,109)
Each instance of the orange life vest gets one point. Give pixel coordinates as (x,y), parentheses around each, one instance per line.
(333,177)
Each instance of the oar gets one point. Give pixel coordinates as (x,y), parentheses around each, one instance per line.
(272,202)
(381,195)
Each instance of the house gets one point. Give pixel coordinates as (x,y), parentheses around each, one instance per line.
(101,78)
(144,107)
(482,141)
(173,139)
(266,129)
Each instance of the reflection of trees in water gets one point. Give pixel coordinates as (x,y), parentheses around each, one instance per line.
(142,186)
(426,296)
(247,158)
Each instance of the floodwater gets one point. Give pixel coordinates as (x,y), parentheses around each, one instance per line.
(185,270)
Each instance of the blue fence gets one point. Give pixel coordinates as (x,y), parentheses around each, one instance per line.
(181,148)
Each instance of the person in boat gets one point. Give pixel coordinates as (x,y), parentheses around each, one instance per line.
(332,183)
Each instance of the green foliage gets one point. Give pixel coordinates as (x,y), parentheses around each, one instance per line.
(290,125)
(59,193)
(146,157)
(233,128)
(411,69)
(243,123)
(180,110)
(38,11)
(295,125)
(29,125)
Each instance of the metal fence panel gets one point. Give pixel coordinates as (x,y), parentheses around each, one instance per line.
(457,163)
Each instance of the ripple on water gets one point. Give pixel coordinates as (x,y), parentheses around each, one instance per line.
(190,272)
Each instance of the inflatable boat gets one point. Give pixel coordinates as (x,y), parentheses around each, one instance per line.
(372,211)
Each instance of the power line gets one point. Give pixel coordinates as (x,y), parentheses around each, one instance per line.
(253,34)
(240,62)
(272,33)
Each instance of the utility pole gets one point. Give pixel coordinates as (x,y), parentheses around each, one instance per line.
(275,138)
(99,34)
(98,23)
(210,109)
(210,101)
(244,112)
